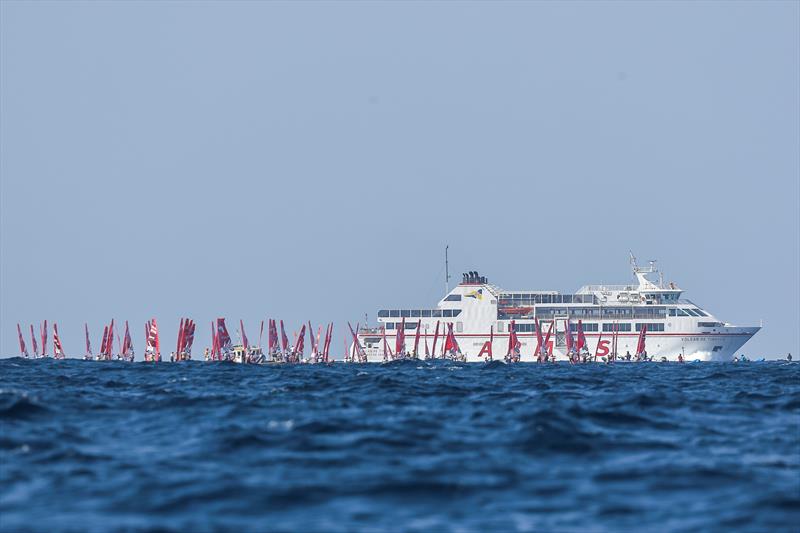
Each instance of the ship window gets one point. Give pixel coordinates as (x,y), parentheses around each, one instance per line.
(437,313)
(673,312)
(383,313)
(456,312)
(682,312)
(411,325)
(405,313)
(447,313)
(415,313)
(394,312)
(372,340)
(426,313)
(650,326)
(620,327)
(702,313)
(710,324)
(716,348)
(390,325)
(453,298)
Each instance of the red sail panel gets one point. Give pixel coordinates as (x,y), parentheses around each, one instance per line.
(179,344)
(110,345)
(104,341)
(154,332)
(88,343)
(22,349)
(33,343)
(58,349)
(44,339)
(299,346)
(581,343)
(640,345)
(284,338)
(568,336)
(400,338)
(261,336)
(188,338)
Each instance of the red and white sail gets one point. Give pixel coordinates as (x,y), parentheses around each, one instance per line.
(58,349)
(152,351)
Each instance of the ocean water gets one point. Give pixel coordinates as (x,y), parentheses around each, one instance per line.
(408,446)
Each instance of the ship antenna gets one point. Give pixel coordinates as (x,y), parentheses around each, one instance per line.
(446,271)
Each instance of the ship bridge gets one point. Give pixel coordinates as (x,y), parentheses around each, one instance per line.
(645,291)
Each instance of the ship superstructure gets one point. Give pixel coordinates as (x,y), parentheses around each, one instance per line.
(486,320)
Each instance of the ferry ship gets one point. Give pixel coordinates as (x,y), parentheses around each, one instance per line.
(483,317)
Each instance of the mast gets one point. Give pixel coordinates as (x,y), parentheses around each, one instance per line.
(446,270)
(435,338)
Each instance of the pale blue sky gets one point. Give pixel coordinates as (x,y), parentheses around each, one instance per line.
(311,160)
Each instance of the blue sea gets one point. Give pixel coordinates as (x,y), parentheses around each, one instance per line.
(406,446)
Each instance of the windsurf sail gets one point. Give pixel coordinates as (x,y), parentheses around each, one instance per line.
(548,346)
(400,339)
(152,351)
(299,345)
(102,354)
(512,354)
(435,337)
(284,339)
(224,344)
(127,345)
(570,341)
(58,349)
(541,349)
(88,354)
(23,351)
(33,343)
(110,343)
(43,332)
(362,355)
(580,344)
(640,345)
(245,343)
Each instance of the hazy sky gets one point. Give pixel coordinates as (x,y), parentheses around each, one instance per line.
(311,160)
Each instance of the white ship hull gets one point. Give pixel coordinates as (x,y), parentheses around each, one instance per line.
(674,326)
